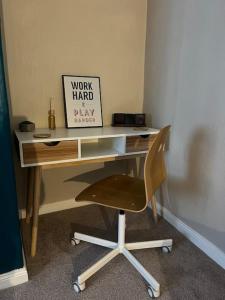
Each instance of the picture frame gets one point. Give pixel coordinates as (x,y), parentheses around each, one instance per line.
(82,101)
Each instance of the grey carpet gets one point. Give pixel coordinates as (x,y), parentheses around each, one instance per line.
(186,273)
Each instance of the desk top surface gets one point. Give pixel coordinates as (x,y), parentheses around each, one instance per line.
(60,134)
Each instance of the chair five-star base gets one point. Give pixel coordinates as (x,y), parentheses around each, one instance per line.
(121,248)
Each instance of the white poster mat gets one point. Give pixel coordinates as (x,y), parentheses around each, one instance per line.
(82,98)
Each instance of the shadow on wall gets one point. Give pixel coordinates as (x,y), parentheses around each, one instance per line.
(134,167)
(93,176)
(200,154)
(22,174)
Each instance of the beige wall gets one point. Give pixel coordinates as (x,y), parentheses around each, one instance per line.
(45,39)
(184,87)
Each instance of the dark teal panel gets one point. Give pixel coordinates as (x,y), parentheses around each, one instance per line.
(10,240)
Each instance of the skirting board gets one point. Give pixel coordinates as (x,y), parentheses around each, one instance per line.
(192,235)
(197,239)
(14,277)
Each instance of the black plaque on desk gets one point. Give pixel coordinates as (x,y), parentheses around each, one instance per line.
(128,120)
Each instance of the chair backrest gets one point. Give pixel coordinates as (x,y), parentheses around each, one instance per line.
(154,167)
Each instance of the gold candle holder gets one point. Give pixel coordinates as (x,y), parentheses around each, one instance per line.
(51,116)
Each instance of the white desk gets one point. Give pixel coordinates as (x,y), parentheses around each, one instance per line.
(71,147)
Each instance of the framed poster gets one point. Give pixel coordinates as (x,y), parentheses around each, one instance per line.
(82,98)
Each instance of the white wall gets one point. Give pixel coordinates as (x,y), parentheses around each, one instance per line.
(185,86)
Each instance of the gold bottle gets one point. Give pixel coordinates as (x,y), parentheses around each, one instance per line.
(51,116)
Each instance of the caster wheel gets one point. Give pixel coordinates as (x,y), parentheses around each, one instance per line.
(166,249)
(78,287)
(75,242)
(152,293)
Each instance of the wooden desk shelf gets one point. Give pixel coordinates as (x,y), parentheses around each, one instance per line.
(102,147)
(71,145)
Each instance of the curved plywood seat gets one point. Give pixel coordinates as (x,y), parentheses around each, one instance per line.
(118,191)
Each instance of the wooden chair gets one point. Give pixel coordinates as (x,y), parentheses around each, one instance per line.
(126,193)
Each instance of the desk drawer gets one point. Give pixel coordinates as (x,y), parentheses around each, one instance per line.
(49,151)
(139,142)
